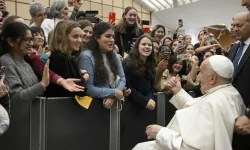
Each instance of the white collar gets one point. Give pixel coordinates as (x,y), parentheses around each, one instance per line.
(247,42)
(217,87)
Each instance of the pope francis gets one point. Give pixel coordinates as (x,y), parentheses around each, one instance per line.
(203,123)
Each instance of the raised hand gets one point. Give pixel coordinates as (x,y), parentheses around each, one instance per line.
(45,79)
(174,85)
(162,66)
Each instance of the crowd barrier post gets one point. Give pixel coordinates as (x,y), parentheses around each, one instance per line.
(114,139)
(161,109)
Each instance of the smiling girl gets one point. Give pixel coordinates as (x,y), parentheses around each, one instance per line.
(126,29)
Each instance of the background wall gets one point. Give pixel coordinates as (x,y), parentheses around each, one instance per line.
(21,7)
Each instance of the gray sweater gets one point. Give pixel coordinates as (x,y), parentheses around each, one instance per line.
(21,79)
(86,61)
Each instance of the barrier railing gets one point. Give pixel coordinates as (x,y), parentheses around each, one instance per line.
(60,123)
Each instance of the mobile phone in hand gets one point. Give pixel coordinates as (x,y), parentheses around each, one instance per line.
(182,57)
(112,17)
(180,22)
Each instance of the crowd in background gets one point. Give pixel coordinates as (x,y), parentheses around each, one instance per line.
(61,56)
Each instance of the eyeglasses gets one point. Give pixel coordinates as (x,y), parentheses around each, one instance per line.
(29,40)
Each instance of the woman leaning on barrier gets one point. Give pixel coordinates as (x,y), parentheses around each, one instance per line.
(105,85)
(106,76)
(65,40)
(16,43)
(139,69)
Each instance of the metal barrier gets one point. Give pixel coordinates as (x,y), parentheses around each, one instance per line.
(60,123)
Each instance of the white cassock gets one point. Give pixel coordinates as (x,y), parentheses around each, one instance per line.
(4,120)
(204,123)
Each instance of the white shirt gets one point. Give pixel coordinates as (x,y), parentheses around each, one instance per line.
(247,43)
(48,25)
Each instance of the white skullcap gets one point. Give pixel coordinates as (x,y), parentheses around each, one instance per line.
(222,66)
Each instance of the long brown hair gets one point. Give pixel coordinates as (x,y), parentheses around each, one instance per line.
(133,60)
(122,23)
(101,75)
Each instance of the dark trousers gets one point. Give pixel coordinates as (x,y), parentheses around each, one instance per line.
(241,142)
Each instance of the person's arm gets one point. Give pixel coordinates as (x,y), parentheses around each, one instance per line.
(85,63)
(193,72)
(38,67)
(158,80)
(203,48)
(16,90)
(122,81)
(180,99)
(161,73)
(77,6)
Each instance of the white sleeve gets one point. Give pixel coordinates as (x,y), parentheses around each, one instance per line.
(168,139)
(4,120)
(180,99)
(46,26)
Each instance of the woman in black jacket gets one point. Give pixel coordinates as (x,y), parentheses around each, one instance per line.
(126,29)
(139,70)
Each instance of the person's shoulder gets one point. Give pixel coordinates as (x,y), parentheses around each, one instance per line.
(58,56)
(6,58)
(87,53)
(224,95)
(127,65)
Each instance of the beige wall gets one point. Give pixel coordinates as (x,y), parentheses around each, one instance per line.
(21,7)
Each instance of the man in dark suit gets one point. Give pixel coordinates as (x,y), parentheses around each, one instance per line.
(240,56)
(246,3)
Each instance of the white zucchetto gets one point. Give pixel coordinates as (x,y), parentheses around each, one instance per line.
(222,66)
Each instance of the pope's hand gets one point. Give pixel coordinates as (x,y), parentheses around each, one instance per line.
(242,125)
(174,85)
(152,131)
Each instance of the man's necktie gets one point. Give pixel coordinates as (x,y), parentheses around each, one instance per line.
(238,56)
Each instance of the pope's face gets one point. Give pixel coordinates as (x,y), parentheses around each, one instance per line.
(205,76)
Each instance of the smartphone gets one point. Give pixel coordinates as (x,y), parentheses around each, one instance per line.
(180,22)
(112,16)
(205,30)
(145,22)
(182,57)
(91,13)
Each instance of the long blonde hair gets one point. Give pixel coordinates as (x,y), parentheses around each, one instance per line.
(59,38)
(122,23)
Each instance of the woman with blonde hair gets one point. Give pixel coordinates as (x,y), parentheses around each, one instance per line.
(126,29)
(66,39)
